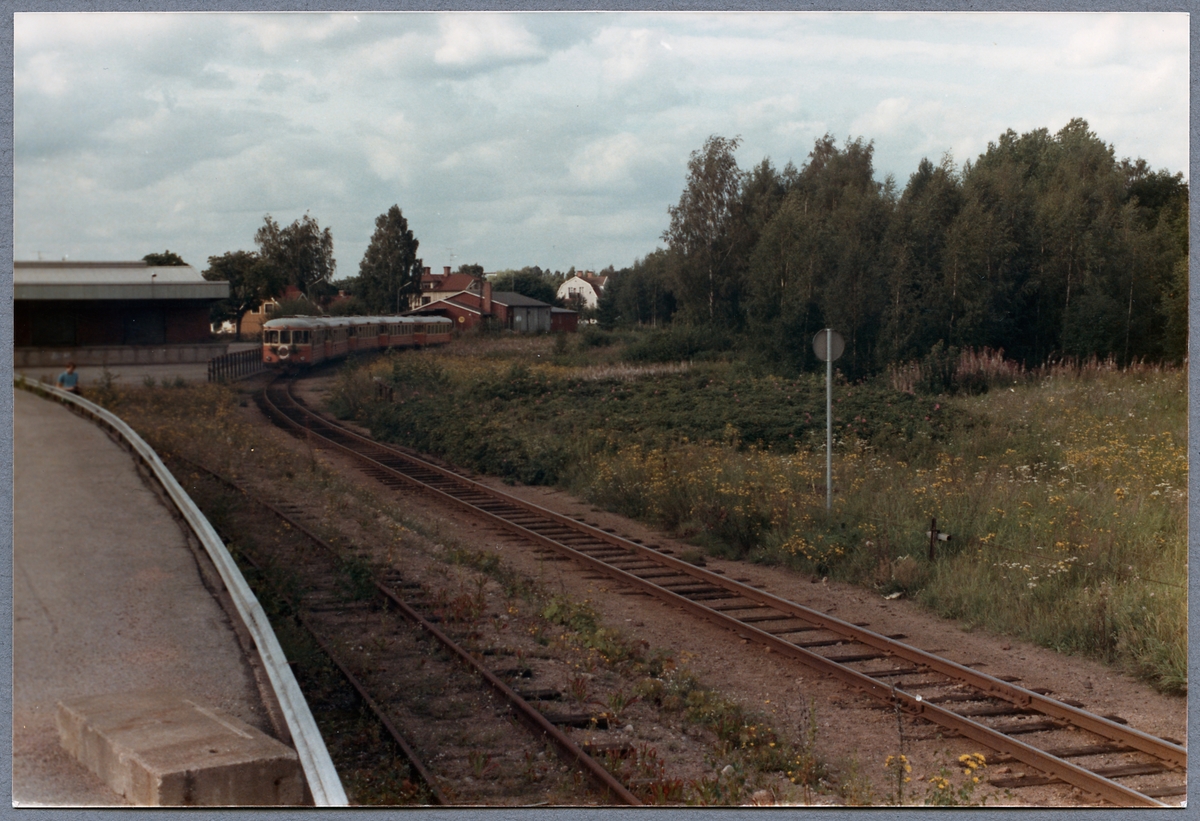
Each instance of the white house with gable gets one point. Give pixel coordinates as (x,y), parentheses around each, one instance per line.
(586,287)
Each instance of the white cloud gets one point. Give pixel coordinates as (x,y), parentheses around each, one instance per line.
(485,157)
(1098,44)
(34,31)
(276,33)
(607,161)
(628,54)
(389,148)
(474,39)
(44,74)
(391,54)
(923,121)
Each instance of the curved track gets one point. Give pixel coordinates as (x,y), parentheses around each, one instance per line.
(1060,740)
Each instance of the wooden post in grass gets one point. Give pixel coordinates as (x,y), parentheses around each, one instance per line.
(935,536)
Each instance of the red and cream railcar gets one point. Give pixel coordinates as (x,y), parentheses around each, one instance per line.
(303,341)
(300,340)
(385,332)
(432,330)
(396,331)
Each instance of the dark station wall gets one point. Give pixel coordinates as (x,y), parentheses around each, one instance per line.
(68,324)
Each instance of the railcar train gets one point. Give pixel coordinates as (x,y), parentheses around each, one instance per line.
(303,341)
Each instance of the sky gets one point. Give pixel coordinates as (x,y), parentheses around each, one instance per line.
(550,139)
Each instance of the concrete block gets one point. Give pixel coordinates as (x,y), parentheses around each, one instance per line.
(160,748)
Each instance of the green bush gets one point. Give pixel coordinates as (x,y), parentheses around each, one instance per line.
(593,337)
(681,342)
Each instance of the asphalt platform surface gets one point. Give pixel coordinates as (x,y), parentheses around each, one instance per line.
(107,598)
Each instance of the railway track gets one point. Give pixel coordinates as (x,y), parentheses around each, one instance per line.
(322,606)
(1058,739)
(419,773)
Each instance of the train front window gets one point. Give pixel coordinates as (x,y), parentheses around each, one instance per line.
(272,337)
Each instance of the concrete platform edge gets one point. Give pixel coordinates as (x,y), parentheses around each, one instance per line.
(322,779)
(159,748)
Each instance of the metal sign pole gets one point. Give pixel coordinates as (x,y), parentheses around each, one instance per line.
(828,345)
(829,421)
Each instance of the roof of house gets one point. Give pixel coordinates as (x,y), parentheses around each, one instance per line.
(590,279)
(444,282)
(460,303)
(444,304)
(111,280)
(512,299)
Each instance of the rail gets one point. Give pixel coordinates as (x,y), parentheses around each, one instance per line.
(323,780)
(235,365)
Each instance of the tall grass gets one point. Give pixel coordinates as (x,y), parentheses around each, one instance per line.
(1066,507)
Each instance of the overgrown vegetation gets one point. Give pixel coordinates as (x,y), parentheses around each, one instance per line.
(466,409)
(1063,489)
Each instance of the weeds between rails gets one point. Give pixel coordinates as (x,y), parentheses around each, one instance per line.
(347,610)
(639,764)
(375,767)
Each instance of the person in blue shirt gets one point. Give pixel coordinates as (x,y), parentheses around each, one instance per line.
(68,380)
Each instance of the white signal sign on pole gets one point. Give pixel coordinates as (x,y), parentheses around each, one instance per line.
(828,340)
(828,345)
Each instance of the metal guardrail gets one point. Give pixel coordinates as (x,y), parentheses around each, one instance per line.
(323,780)
(235,365)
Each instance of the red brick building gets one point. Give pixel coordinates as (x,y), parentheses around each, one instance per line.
(470,302)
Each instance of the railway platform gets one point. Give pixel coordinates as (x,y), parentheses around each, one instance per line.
(108,601)
(91,376)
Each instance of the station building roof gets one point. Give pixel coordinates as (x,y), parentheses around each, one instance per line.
(87,281)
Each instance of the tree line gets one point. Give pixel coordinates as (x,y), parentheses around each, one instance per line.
(1045,246)
(300,256)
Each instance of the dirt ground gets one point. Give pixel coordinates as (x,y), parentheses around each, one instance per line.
(855,734)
